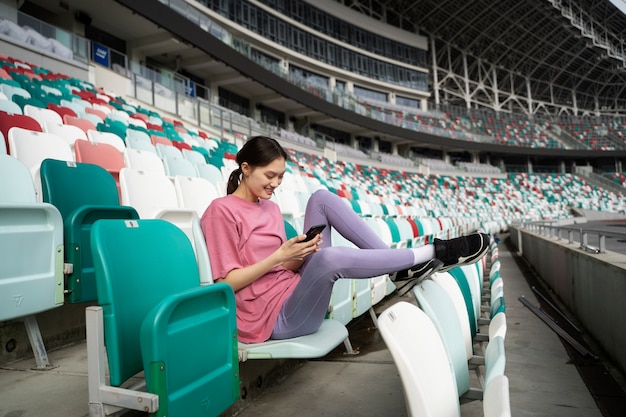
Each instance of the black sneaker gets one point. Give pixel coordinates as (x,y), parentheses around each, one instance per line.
(417,272)
(461,250)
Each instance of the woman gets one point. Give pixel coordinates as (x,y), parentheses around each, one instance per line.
(283,287)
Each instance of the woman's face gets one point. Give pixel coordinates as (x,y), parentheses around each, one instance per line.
(260,182)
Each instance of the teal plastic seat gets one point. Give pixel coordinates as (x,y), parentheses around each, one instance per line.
(83,193)
(156,318)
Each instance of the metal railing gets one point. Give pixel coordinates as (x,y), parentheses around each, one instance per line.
(550,229)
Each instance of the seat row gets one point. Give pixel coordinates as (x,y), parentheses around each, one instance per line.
(444,327)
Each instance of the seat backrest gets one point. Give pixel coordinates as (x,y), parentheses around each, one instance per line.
(438,306)
(8,121)
(83,194)
(108,138)
(143,161)
(72,185)
(15,185)
(67,132)
(194,156)
(148,192)
(31,246)
(496,401)
(9,106)
(449,284)
(179,166)
(32,148)
(102,154)
(168,151)
(420,356)
(137,265)
(140,143)
(43,116)
(194,193)
(84,124)
(211,173)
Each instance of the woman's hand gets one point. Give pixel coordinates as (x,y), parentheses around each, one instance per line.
(290,254)
(295,250)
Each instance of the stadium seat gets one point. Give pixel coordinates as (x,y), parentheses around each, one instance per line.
(153,316)
(167,151)
(108,138)
(179,166)
(31,253)
(83,194)
(438,306)
(143,161)
(10,120)
(153,195)
(62,110)
(9,106)
(84,124)
(67,132)
(496,401)
(42,115)
(101,154)
(421,359)
(141,143)
(194,193)
(32,148)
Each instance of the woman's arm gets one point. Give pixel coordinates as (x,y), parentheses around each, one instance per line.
(290,254)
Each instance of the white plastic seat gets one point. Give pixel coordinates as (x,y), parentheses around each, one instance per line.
(496,401)
(69,133)
(143,161)
(194,157)
(109,138)
(437,304)
(211,173)
(421,360)
(31,253)
(168,151)
(33,147)
(153,195)
(179,166)
(194,193)
(9,106)
(140,143)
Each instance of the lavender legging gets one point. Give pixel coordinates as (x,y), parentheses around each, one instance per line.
(303,312)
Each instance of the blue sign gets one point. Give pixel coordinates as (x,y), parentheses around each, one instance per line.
(190,88)
(101,55)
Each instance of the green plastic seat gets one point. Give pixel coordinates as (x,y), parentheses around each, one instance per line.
(83,193)
(158,319)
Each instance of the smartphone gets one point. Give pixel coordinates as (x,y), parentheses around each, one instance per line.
(314,231)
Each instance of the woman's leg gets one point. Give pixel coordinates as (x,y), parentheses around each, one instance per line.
(305,309)
(303,312)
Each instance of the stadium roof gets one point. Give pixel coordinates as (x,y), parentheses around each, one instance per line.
(560,45)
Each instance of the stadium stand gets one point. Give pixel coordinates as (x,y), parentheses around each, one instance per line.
(406,208)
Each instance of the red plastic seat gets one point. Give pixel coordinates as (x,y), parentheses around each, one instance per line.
(101,154)
(181,145)
(62,110)
(9,120)
(83,124)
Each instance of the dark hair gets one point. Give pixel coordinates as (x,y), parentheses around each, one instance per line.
(258,151)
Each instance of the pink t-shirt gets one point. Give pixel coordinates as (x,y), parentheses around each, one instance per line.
(240,233)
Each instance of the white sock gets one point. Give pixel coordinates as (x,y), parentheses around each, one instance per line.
(423,253)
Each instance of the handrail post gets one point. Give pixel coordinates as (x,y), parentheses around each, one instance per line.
(602,248)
